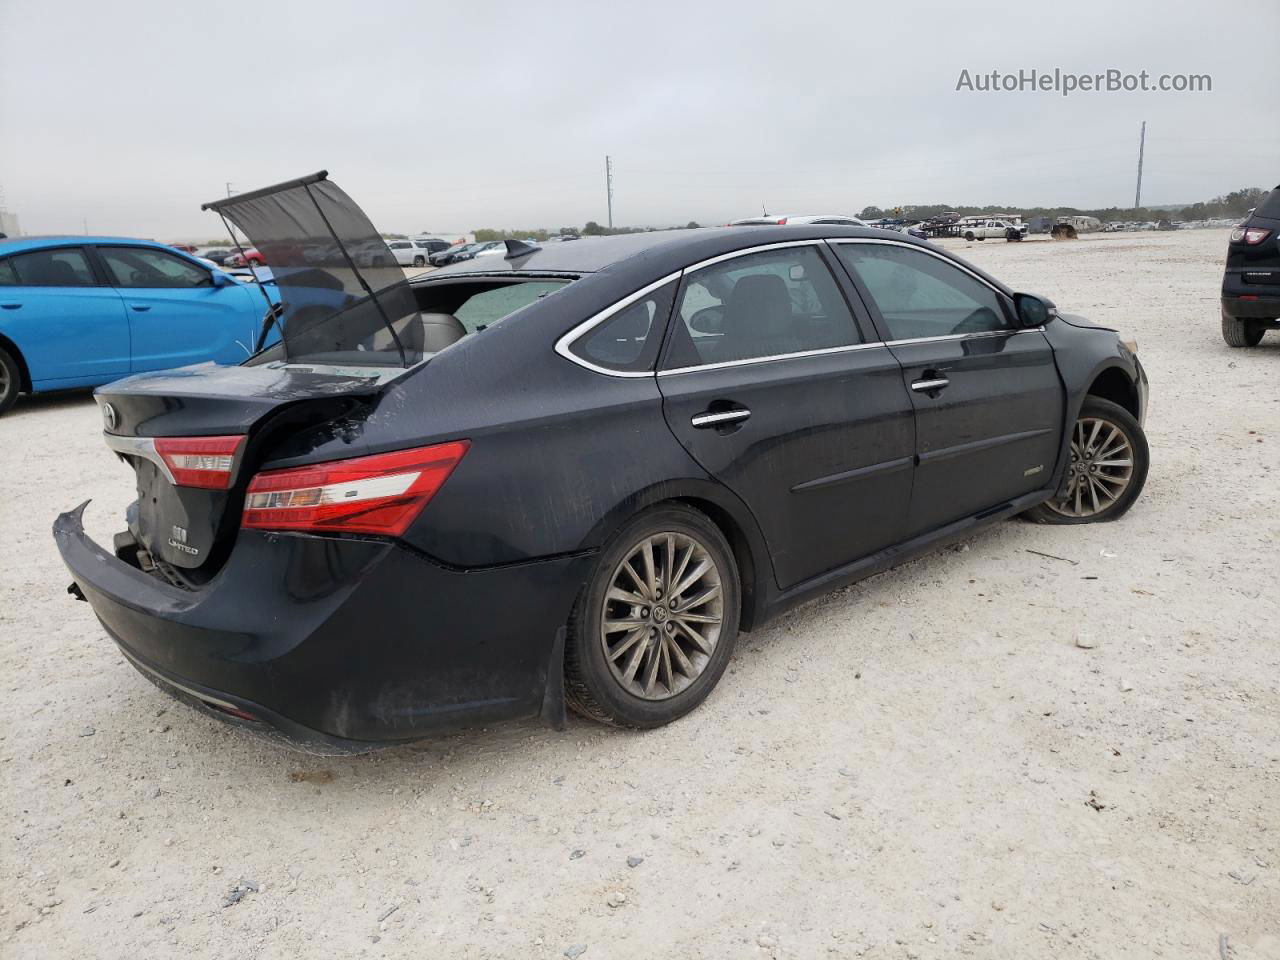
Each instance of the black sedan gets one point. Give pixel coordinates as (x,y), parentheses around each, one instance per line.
(572,475)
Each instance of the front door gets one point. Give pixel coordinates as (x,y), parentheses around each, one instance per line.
(988,399)
(768,383)
(177,315)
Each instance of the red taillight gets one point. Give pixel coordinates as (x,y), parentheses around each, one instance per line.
(381,494)
(204,462)
(1255,235)
(782,221)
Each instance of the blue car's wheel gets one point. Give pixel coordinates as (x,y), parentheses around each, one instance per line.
(10,380)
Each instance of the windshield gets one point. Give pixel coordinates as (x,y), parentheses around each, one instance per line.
(343,296)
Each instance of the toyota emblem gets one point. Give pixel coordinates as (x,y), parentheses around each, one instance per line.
(109,416)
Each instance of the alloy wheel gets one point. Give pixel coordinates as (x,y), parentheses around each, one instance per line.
(662,615)
(1101,468)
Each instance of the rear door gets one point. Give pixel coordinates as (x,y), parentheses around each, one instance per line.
(69,326)
(176,313)
(776,390)
(988,400)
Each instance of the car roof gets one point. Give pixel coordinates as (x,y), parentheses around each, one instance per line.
(664,251)
(18,244)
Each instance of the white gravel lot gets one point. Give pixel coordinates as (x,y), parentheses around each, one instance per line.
(924,765)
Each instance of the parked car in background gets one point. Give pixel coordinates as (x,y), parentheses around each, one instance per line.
(218,255)
(459,251)
(492,248)
(977,228)
(184,247)
(82,311)
(411,253)
(829,219)
(244,257)
(1251,280)
(336,540)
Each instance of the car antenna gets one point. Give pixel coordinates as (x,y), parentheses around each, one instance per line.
(518,248)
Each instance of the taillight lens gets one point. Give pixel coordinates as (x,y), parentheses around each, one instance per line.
(381,494)
(204,462)
(1255,235)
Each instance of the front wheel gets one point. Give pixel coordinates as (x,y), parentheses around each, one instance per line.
(969,236)
(1241,333)
(1109,461)
(10,381)
(419,262)
(654,628)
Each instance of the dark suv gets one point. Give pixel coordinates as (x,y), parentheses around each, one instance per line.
(1251,283)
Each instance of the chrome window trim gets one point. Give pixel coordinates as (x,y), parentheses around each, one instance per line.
(563,344)
(933,253)
(144,447)
(747,251)
(723,364)
(964,336)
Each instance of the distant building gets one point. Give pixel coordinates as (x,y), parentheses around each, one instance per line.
(9,223)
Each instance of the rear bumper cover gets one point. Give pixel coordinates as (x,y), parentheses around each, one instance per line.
(1263,307)
(340,642)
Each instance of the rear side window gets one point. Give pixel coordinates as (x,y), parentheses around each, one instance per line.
(766,304)
(52,268)
(628,341)
(140,268)
(8,278)
(920,295)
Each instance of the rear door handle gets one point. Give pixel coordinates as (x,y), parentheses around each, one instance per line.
(933,383)
(10,306)
(719,418)
(140,307)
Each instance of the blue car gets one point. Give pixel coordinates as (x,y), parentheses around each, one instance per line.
(83,311)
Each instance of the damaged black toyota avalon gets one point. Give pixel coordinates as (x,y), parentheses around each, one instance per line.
(572,474)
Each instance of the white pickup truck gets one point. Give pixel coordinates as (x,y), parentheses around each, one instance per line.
(979,229)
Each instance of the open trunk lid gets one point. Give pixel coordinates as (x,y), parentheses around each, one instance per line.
(196,435)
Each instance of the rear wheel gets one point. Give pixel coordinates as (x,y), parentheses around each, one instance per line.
(1241,333)
(10,380)
(969,235)
(652,632)
(1109,461)
(419,261)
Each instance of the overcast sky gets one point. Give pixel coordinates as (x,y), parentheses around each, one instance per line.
(447,116)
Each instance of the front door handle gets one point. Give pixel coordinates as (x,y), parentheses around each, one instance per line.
(10,306)
(140,307)
(930,384)
(719,418)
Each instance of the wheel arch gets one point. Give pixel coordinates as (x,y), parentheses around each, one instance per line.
(730,516)
(1114,383)
(11,348)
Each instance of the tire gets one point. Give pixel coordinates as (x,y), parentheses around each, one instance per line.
(1070,509)
(969,236)
(419,261)
(980,239)
(10,381)
(1241,333)
(599,691)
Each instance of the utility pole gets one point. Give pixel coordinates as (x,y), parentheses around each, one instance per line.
(1142,143)
(608,185)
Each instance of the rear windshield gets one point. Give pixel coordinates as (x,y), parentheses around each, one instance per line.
(1270,205)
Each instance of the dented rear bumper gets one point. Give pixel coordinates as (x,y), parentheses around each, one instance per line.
(340,642)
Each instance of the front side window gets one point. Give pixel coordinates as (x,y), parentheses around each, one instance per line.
(628,340)
(138,267)
(765,304)
(920,295)
(52,268)
(8,276)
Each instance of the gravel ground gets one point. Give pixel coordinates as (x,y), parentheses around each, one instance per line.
(922,765)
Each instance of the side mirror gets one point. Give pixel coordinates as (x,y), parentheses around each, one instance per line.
(221,279)
(1033,311)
